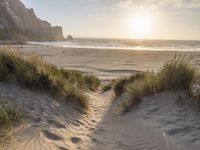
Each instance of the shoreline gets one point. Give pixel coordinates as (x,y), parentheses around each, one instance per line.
(103,62)
(107,64)
(137,48)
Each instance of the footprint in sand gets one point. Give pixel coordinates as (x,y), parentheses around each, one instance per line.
(94,121)
(36,120)
(35,125)
(51,136)
(75,140)
(62,148)
(55,123)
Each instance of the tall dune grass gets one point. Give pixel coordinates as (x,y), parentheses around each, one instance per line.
(195,89)
(120,84)
(9,116)
(179,73)
(88,82)
(33,72)
(107,87)
(176,74)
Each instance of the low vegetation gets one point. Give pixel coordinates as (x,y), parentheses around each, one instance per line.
(195,89)
(9,115)
(33,72)
(120,84)
(176,74)
(179,73)
(79,80)
(106,87)
(109,86)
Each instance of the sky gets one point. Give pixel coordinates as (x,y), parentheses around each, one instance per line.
(146,19)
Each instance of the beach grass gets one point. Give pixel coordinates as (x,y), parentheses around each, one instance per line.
(177,74)
(32,71)
(77,78)
(195,89)
(108,86)
(9,116)
(92,82)
(120,84)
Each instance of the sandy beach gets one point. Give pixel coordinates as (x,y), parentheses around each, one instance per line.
(100,75)
(107,64)
(51,124)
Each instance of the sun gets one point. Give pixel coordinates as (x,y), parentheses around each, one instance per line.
(142,25)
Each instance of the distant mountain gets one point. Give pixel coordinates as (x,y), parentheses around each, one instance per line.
(19,23)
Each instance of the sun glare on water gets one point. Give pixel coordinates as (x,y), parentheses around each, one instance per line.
(142,25)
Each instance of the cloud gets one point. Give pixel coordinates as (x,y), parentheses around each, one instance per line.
(194,4)
(125,3)
(176,4)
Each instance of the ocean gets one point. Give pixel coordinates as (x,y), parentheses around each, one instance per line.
(127,44)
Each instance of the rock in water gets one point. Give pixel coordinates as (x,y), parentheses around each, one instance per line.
(18,22)
(69,37)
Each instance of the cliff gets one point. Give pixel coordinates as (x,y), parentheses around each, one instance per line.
(18,22)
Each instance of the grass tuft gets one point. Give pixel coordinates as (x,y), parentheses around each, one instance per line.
(92,82)
(9,116)
(176,74)
(120,84)
(109,86)
(106,87)
(33,72)
(179,73)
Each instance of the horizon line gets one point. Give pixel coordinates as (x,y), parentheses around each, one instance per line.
(113,38)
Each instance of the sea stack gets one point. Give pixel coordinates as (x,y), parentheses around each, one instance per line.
(69,38)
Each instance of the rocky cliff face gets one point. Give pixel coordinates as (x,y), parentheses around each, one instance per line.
(16,21)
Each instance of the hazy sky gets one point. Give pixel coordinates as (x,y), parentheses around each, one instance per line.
(162,19)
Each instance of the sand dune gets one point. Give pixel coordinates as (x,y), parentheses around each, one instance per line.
(50,124)
(53,125)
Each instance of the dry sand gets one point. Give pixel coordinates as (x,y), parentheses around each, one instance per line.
(54,125)
(160,122)
(105,63)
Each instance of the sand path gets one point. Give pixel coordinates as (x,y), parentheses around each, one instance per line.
(51,124)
